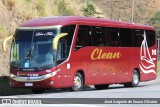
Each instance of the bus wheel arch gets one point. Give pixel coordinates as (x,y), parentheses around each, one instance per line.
(82,73)
(78,81)
(137,69)
(135,75)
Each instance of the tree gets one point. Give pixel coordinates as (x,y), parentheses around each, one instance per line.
(89,10)
(155,21)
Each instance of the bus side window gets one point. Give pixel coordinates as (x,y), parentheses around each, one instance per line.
(99,36)
(137,37)
(62,51)
(125,37)
(70,29)
(113,38)
(83,37)
(150,36)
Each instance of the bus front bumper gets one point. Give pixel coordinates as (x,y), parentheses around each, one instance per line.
(44,81)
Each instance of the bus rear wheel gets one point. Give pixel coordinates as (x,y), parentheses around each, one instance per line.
(135,80)
(101,87)
(38,91)
(78,82)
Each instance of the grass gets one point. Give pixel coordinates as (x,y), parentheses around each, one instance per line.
(63,10)
(40,6)
(1,29)
(6,90)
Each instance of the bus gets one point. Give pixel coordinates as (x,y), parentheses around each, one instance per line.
(76,51)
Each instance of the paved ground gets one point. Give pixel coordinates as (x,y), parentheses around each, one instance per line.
(149,89)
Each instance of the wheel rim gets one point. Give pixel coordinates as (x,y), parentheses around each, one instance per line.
(135,78)
(77,82)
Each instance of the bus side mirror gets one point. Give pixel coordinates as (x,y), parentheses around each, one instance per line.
(4,43)
(56,40)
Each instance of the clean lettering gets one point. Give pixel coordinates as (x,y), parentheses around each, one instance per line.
(98,54)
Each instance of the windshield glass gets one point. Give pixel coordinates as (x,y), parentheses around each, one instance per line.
(32,49)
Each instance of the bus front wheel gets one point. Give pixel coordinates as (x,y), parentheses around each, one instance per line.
(135,80)
(78,82)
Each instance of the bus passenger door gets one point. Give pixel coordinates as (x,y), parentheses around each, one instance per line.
(62,79)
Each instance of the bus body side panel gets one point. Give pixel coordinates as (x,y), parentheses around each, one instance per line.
(80,60)
(148,67)
(78,63)
(153,52)
(110,66)
(137,61)
(97,68)
(123,65)
(133,61)
(63,78)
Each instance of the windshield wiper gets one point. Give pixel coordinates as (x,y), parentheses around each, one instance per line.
(30,55)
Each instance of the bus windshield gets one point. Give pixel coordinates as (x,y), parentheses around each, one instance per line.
(32,49)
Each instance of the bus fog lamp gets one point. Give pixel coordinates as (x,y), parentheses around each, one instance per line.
(51,82)
(12,76)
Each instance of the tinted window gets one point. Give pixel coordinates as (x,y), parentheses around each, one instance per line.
(137,37)
(150,36)
(84,37)
(113,38)
(99,36)
(125,37)
(64,45)
(70,30)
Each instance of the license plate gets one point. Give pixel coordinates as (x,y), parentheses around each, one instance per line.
(28,84)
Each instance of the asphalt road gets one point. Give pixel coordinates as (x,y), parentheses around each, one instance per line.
(147,90)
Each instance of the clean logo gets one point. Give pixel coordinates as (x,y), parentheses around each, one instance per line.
(98,54)
(146,65)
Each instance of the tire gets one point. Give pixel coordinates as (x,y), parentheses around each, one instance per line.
(101,87)
(135,80)
(78,82)
(38,91)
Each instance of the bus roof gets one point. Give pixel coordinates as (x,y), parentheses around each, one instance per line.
(66,20)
